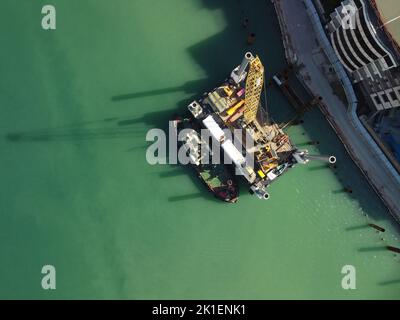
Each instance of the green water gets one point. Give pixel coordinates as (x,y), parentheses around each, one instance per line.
(76,191)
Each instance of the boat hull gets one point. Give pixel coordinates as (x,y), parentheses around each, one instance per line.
(217,178)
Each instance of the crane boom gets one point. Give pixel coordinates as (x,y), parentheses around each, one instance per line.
(254,86)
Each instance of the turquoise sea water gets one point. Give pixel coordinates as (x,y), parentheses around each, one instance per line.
(76,191)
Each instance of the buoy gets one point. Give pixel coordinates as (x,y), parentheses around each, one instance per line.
(332,159)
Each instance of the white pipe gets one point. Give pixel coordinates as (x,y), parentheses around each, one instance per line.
(245,62)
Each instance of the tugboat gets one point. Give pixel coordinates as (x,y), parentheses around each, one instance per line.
(217,177)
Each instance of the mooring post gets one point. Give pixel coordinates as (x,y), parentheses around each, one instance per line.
(376,227)
(394,249)
(348,190)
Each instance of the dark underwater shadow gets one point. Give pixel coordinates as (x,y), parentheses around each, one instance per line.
(373,249)
(359,227)
(190,87)
(109,128)
(319,167)
(76,132)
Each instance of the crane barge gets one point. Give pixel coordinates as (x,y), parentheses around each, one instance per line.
(258,149)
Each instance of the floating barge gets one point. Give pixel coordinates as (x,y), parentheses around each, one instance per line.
(258,148)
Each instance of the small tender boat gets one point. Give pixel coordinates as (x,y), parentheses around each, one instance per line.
(217,177)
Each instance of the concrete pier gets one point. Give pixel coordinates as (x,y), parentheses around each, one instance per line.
(304,50)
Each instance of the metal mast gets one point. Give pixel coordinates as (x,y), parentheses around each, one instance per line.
(254,86)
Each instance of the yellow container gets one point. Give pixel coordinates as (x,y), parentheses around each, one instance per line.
(232,110)
(261,174)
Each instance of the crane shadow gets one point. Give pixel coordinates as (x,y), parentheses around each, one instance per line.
(197,195)
(77,132)
(390,282)
(190,87)
(172,173)
(373,249)
(184,197)
(109,128)
(71,135)
(319,167)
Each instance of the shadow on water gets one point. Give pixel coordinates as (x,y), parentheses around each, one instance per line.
(320,167)
(373,249)
(192,196)
(54,135)
(172,173)
(189,196)
(157,119)
(303,144)
(191,87)
(110,128)
(360,227)
(390,282)
(339,191)
(141,147)
(76,132)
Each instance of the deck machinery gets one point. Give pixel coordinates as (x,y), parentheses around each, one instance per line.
(232,112)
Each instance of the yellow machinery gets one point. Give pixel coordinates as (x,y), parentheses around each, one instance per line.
(269,166)
(261,174)
(233,109)
(228,91)
(254,86)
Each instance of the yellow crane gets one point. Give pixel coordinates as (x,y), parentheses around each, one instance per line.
(254,86)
